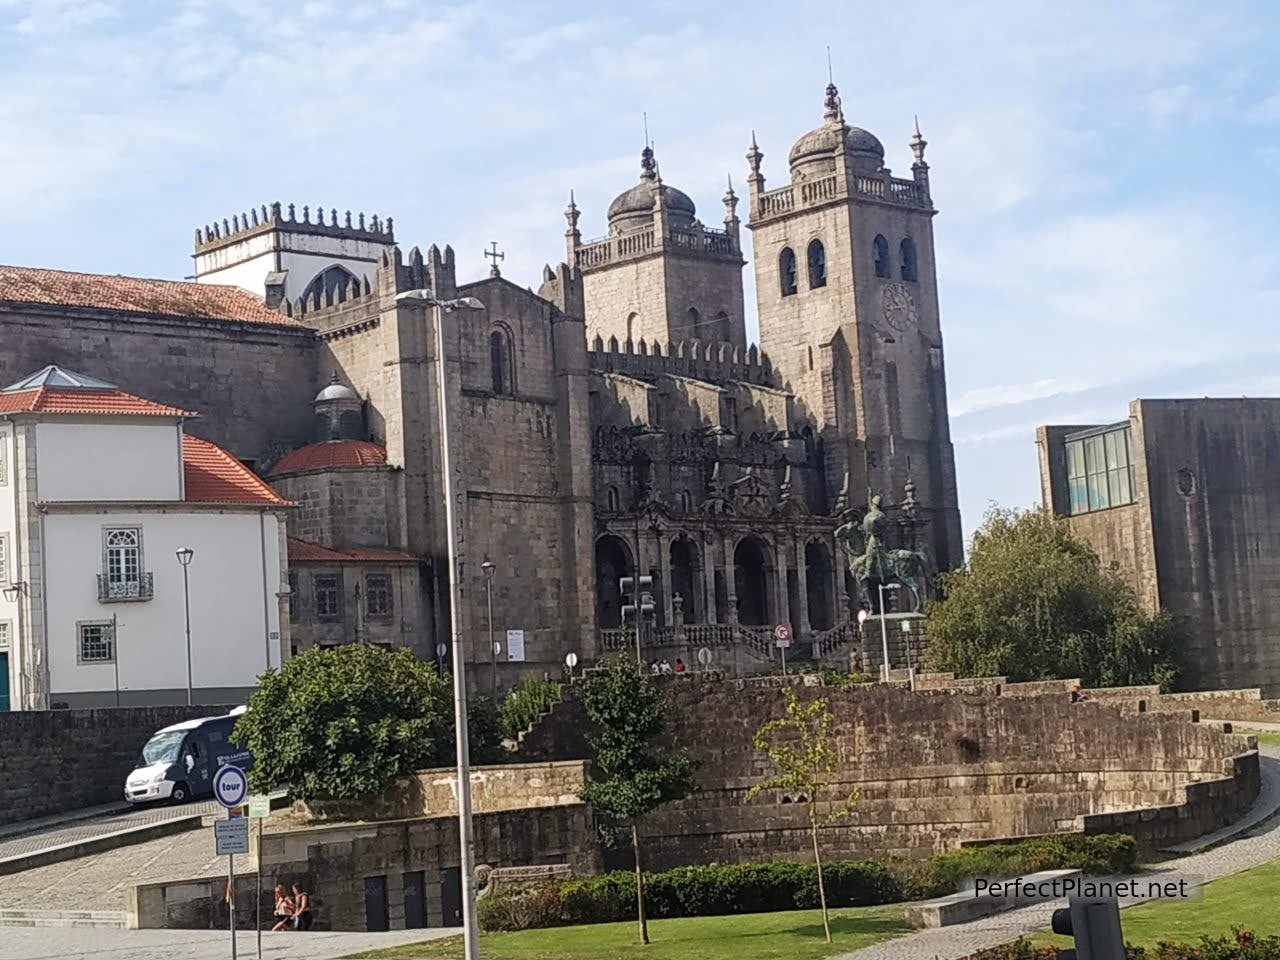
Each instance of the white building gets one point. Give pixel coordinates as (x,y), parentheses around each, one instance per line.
(101,496)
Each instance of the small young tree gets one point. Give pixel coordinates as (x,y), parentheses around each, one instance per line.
(799,746)
(631,775)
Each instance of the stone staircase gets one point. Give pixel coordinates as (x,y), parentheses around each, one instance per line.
(107,919)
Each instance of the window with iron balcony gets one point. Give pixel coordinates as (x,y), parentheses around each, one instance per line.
(123,578)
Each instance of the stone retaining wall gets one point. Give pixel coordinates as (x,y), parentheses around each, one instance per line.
(934,769)
(54,761)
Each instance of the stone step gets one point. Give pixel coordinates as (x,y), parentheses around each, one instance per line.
(114,919)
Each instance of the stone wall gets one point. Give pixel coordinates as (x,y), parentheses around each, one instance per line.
(53,761)
(338,864)
(432,793)
(251,383)
(933,769)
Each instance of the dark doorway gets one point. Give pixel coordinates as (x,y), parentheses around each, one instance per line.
(686,578)
(721,598)
(415,900)
(751,582)
(375,904)
(4,682)
(613,562)
(818,583)
(451,896)
(793,600)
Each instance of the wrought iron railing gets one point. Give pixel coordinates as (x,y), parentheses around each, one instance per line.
(111,591)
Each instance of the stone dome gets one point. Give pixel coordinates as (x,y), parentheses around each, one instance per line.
(336,391)
(633,208)
(814,153)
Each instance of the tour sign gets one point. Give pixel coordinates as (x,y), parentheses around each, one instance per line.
(782,635)
(230,786)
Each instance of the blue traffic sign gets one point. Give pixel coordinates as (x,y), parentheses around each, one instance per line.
(230,786)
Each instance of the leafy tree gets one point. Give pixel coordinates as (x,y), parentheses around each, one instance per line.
(1034,603)
(799,746)
(636,775)
(342,723)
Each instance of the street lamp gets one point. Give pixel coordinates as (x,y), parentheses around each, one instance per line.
(884,632)
(489,569)
(185,555)
(466,841)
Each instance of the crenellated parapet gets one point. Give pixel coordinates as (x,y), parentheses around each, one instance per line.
(280,217)
(713,362)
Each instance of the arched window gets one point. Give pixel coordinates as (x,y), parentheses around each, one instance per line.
(500,366)
(686,501)
(332,282)
(631,327)
(907,252)
(881,253)
(787,271)
(611,500)
(817,264)
(722,327)
(695,321)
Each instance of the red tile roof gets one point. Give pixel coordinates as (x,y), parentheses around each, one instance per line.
(331,453)
(304,551)
(176,298)
(61,400)
(212,475)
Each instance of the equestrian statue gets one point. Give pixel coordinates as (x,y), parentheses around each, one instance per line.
(869,561)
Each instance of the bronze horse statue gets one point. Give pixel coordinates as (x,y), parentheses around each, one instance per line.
(868,560)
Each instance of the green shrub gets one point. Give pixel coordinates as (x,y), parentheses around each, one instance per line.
(833,677)
(525,703)
(516,909)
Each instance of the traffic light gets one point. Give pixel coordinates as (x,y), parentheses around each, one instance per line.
(1094,923)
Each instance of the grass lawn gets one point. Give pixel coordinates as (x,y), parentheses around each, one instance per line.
(1271,737)
(788,935)
(1244,899)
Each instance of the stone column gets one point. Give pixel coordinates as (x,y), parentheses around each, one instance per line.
(709,580)
(802,589)
(664,566)
(730,587)
(780,591)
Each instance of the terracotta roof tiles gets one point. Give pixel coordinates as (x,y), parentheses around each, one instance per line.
(331,453)
(65,401)
(175,298)
(211,475)
(304,551)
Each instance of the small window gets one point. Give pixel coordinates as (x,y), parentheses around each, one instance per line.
(631,327)
(787,271)
(4,635)
(123,560)
(811,358)
(880,250)
(817,264)
(611,500)
(294,602)
(377,595)
(731,414)
(695,321)
(96,642)
(686,501)
(500,364)
(907,253)
(328,598)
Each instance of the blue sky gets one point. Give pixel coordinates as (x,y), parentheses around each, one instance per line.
(1106,173)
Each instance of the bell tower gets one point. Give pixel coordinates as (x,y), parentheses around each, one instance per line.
(848,305)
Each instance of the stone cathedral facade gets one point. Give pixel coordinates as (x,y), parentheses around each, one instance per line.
(615,421)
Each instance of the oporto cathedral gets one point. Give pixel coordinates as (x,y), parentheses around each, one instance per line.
(615,422)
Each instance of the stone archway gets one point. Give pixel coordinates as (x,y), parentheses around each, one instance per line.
(613,561)
(752,574)
(687,578)
(818,580)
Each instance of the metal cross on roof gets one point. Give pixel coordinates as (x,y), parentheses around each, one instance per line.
(494,256)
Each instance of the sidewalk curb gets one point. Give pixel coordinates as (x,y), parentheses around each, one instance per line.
(99,844)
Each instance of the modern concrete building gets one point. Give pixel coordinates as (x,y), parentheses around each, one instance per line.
(1183,498)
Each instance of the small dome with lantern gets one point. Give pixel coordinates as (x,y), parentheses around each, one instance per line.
(633,209)
(814,154)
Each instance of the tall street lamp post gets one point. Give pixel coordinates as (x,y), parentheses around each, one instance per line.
(884,631)
(489,570)
(466,840)
(185,554)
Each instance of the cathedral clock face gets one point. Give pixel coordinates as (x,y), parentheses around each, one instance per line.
(898,305)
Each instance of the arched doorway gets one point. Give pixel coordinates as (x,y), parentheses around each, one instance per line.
(613,562)
(686,578)
(751,581)
(817,574)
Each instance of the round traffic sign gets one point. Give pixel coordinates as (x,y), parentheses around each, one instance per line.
(571,660)
(782,632)
(441,650)
(230,786)
(862,616)
(704,656)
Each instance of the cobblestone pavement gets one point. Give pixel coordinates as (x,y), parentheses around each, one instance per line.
(1255,847)
(102,881)
(23,943)
(56,836)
